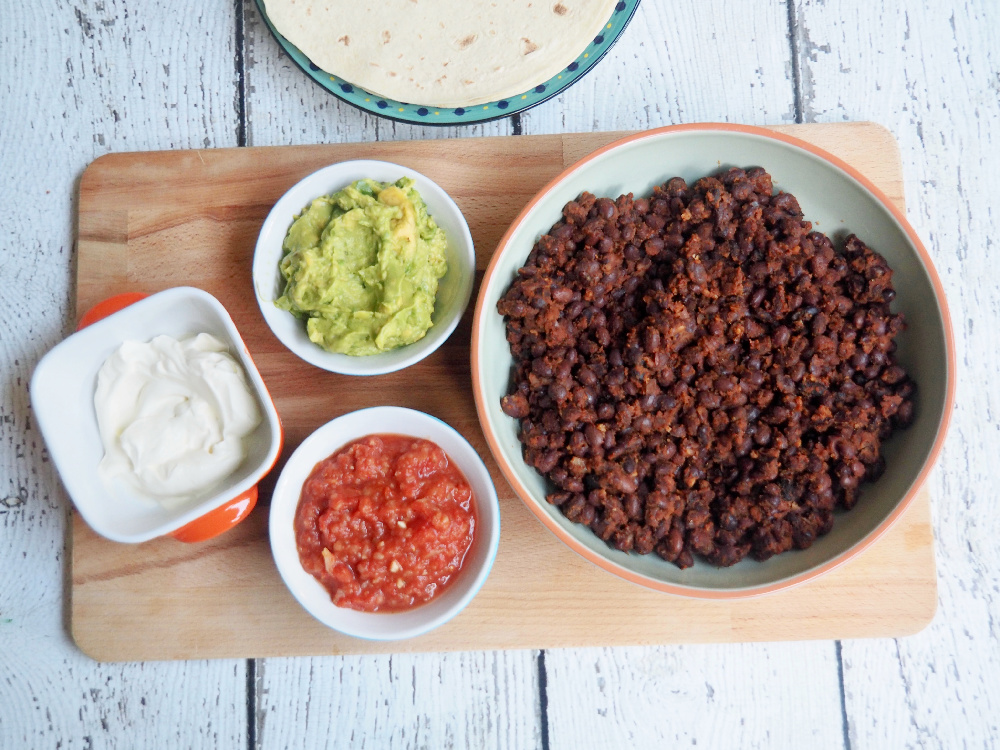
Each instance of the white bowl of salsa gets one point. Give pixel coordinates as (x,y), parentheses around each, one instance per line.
(387,484)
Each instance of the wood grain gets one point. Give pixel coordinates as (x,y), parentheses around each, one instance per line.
(457,700)
(79,78)
(938,92)
(221,599)
(718,696)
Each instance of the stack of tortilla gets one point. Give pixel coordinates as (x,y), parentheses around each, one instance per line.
(444,53)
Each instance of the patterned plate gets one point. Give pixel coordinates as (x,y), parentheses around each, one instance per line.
(423,115)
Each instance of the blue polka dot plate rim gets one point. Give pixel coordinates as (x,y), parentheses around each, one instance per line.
(419,114)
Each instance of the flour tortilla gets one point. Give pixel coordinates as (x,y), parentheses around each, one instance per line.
(445,53)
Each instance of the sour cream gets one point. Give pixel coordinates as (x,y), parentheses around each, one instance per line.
(172,416)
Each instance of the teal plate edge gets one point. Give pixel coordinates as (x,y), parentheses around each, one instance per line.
(416,114)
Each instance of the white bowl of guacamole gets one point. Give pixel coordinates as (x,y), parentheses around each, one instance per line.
(364,267)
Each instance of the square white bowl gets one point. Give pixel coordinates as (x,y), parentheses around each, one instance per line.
(454,288)
(62,398)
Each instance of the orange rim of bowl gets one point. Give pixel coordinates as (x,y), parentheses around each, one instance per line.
(109,306)
(223,518)
(794,580)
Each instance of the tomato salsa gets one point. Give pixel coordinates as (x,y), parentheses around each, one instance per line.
(385,523)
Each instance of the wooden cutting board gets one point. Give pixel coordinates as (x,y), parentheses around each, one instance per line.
(148,221)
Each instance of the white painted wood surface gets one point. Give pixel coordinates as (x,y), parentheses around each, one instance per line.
(78,80)
(458,700)
(681,62)
(84,77)
(930,71)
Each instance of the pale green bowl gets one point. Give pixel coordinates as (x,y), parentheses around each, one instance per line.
(838,200)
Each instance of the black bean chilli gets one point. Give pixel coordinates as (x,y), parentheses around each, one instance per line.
(698,373)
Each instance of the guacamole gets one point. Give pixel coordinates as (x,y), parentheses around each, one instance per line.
(362,267)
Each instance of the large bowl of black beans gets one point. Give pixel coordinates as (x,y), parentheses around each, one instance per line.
(713,360)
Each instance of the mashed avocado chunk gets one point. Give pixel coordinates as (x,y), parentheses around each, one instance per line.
(362,267)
